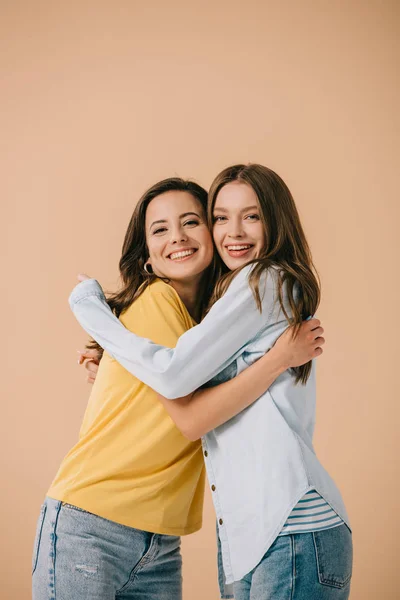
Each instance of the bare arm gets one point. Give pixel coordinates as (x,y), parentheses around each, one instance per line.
(205,409)
(200,353)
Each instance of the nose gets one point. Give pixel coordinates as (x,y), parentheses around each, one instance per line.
(236,229)
(178,235)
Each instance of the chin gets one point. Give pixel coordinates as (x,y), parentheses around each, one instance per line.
(235,263)
(185,273)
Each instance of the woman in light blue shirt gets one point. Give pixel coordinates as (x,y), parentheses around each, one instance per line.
(282,524)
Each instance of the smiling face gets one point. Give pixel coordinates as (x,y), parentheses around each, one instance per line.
(177,237)
(238,230)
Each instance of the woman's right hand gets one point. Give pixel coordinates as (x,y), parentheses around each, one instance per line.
(299,350)
(91,360)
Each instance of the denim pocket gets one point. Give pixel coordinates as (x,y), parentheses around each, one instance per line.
(334,553)
(38,535)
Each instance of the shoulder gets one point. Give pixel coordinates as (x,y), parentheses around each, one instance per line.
(268,277)
(159,291)
(158,314)
(157,298)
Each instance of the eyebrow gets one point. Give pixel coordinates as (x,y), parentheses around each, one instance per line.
(225,210)
(182,216)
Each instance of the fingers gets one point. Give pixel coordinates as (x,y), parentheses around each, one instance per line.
(315,333)
(92,354)
(83,277)
(311,324)
(92,367)
(90,358)
(319,341)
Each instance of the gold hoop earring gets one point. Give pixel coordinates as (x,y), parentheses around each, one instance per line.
(147,267)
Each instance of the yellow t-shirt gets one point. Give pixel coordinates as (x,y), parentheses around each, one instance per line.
(131,464)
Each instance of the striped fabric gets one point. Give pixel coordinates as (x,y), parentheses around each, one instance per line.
(311,513)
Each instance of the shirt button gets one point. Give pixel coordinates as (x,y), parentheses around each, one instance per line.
(205,453)
(213,488)
(220,521)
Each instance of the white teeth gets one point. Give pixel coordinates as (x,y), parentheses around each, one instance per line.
(182,254)
(239,247)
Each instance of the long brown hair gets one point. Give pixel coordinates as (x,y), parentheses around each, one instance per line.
(135,279)
(286,247)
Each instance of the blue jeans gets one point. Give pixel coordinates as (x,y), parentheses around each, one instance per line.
(80,556)
(306,566)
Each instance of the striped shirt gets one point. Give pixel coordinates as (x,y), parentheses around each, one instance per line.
(311,513)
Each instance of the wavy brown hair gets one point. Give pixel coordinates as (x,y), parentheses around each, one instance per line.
(286,247)
(135,253)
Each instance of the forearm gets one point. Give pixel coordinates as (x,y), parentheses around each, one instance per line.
(206,409)
(201,352)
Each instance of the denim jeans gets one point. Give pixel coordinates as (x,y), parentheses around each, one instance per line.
(80,556)
(305,566)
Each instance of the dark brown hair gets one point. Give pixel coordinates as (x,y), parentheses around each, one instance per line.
(286,247)
(135,253)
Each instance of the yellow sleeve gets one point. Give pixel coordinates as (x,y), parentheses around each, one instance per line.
(158,314)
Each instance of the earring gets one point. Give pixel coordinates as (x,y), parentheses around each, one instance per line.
(147,267)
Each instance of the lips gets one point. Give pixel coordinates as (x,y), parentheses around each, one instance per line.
(239,246)
(238,250)
(183,254)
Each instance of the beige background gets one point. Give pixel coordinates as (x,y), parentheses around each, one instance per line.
(101,99)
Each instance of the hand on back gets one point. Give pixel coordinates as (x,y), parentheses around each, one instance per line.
(302,348)
(91,360)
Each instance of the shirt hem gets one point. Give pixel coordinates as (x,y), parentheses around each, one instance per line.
(232,578)
(133,524)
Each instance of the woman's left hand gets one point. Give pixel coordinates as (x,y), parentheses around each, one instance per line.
(90,357)
(83,277)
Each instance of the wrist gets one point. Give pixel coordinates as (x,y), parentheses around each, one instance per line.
(281,360)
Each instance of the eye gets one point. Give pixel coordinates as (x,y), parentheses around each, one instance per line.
(159,231)
(253,217)
(219,218)
(192,222)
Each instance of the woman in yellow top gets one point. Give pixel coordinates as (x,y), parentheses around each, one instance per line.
(133,483)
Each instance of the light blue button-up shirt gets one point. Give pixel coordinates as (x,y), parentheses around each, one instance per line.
(261,462)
